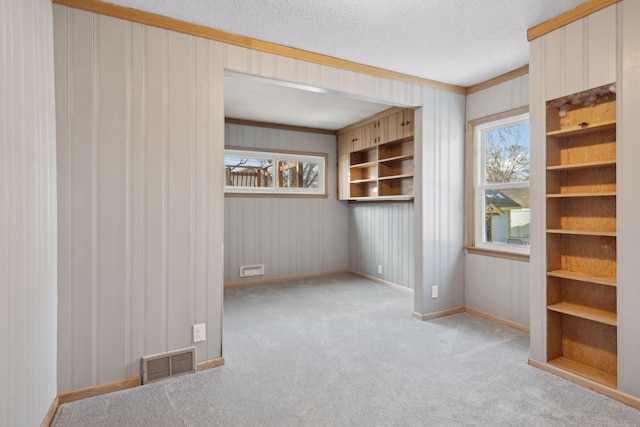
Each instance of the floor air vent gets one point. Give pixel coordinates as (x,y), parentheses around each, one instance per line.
(159,366)
(252,270)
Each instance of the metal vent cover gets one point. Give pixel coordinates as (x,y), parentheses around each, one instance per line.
(159,366)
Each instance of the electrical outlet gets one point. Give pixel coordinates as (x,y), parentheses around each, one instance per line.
(380,269)
(434,291)
(199,333)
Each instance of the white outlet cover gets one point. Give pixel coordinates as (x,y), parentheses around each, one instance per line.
(199,332)
(434,291)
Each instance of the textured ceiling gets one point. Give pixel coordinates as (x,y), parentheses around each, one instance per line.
(271,101)
(461,42)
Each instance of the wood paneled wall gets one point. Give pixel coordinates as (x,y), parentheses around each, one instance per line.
(439,208)
(382,234)
(140,143)
(499,287)
(28,246)
(628,202)
(141,187)
(579,56)
(291,236)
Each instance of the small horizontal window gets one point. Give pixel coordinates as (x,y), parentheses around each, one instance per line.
(264,172)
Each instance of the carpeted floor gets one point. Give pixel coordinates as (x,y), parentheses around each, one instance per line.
(343,351)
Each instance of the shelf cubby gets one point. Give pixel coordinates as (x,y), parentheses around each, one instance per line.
(398,186)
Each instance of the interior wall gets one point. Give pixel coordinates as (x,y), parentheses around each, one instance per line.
(439,202)
(382,234)
(498,286)
(140,143)
(141,198)
(628,183)
(28,245)
(291,236)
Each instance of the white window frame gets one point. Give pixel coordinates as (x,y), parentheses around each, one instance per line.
(477,129)
(275,157)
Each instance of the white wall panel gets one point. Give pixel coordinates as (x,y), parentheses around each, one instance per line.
(439,210)
(141,218)
(498,286)
(628,203)
(382,234)
(503,97)
(290,236)
(580,55)
(537,191)
(28,236)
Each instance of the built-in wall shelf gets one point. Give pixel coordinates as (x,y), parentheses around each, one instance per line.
(581,230)
(585,371)
(568,195)
(589,313)
(572,275)
(585,165)
(379,168)
(392,159)
(583,128)
(363,165)
(382,178)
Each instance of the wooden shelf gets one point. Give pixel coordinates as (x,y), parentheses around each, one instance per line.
(360,181)
(364,165)
(382,199)
(585,165)
(572,275)
(582,232)
(392,159)
(382,178)
(602,194)
(589,313)
(578,130)
(585,371)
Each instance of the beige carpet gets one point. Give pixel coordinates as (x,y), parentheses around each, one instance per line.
(343,351)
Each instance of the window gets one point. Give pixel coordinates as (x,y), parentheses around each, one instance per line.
(265,172)
(500,195)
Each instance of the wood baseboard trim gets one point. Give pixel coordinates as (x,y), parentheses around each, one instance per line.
(99,390)
(283,279)
(438,314)
(496,319)
(614,394)
(383,282)
(210,364)
(51,413)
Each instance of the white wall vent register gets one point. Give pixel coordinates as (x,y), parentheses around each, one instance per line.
(252,270)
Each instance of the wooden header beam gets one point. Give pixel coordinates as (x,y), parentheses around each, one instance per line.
(568,17)
(146,18)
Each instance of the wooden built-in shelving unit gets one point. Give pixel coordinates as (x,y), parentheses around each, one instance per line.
(581,235)
(380,160)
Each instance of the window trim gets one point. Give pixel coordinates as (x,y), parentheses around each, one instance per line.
(473,175)
(278,155)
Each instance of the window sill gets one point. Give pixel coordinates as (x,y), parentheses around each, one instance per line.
(498,254)
(279,195)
